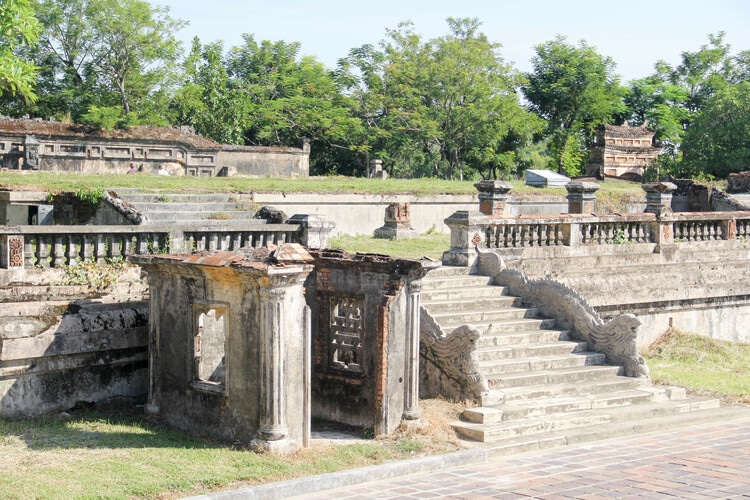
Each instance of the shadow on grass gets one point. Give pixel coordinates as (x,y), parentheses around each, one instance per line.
(88,429)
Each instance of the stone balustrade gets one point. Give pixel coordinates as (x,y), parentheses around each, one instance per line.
(500,234)
(55,246)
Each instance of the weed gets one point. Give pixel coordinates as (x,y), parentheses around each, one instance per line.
(95,275)
(619,237)
(90,195)
(219,216)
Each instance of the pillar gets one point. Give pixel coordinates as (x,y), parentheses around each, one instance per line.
(581,197)
(411,388)
(659,198)
(493,195)
(273,432)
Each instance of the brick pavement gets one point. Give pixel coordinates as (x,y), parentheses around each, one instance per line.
(699,462)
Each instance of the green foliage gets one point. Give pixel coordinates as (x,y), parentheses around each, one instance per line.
(445,107)
(92,196)
(575,89)
(106,117)
(219,216)
(98,55)
(718,141)
(90,273)
(19,28)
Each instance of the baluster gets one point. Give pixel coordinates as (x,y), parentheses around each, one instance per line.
(58,253)
(28,251)
(237,240)
(100,249)
(87,249)
(43,250)
(507,236)
(72,250)
(524,236)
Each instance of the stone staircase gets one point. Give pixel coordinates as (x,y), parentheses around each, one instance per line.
(545,388)
(190,209)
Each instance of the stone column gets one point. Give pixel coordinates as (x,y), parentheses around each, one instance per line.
(411,387)
(273,431)
(659,198)
(493,195)
(581,197)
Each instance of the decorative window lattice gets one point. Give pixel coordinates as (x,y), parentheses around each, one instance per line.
(345,347)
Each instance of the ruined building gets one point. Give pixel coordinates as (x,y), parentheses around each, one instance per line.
(62,147)
(622,151)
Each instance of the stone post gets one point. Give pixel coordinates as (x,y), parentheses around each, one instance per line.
(397,223)
(493,195)
(467,230)
(375,169)
(315,230)
(659,198)
(581,197)
(273,432)
(12,252)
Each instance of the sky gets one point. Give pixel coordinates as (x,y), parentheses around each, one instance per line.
(634,33)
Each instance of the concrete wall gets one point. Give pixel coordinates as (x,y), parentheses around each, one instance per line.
(264,161)
(700,287)
(64,346)
(363,214)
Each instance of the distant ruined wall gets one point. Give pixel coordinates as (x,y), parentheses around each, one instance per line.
(252,161)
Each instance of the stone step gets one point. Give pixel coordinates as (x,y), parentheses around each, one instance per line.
(200,214)
(472,304)
(451,282)
(523,409)
(134,198)
(452,294)
(451,271)
(505,366)
(514,337)
(593,419)
(575,388)
(483,315)
(659,419)
(517,351)
(187,207)
(560,375)
(491,328)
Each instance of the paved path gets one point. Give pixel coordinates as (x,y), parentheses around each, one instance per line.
(705,461)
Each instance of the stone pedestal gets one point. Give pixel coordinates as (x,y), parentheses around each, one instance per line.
(316,230)
(493,195)
(581,197)
(659,198)
(397,223)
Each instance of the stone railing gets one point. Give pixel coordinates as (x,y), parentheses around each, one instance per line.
(55,246)
(508,234)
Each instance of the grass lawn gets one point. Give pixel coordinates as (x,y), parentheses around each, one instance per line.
(95,455)
(702,365)
(430,245)
(56,182)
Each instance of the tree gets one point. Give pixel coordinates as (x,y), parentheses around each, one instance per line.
(439,107)
(207,100)
(671,98)
(717,143)
(18,28)
(107,54)
(575,89)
